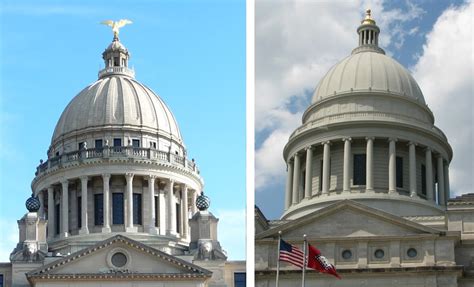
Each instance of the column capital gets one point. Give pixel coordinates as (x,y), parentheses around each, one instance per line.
(346,139)
(64,182)
(184,186)
(297,154)
(369,138)
(412,143)
(84,177)
(151,177)
(392,139)
(326,143)
(428,149)
(308,147)
(106,175)
(129,175)
(50,188)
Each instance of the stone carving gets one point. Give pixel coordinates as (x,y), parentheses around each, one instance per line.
(205,251)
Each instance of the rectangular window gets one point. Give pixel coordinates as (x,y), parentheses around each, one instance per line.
(178,218)
(135,143)
(240,279)
(1,280)
(81,145)
(359,172)
(98,209)
(117,142)
(57,218)
(137,208)
(117,208)
(423,179)
(98,144)
(399,164)
(116,61)
(153,145)
(79,212)
(157,211)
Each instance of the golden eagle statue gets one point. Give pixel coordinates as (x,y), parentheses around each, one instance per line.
(116,25)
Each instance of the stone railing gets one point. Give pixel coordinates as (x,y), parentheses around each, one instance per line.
(117,70)
(118,152)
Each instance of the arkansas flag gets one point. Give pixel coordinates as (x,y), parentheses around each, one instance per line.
(320,263)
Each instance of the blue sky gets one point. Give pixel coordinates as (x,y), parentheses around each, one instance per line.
(191,53)
(297,42)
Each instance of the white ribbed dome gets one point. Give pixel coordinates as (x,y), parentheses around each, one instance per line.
(368,71)
(116,102)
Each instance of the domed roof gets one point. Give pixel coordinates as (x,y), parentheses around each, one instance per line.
(368,71)
(117,101)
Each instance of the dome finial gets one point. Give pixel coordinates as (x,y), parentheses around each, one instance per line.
(116,25)
(368,18)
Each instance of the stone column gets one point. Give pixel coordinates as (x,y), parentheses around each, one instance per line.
(412,169)
(296,178)
(51,206)
(162,206)
(289,184)
(84,215)
(294,195)
(392,167)
(107,213)
(309,174)
(185,216)
(65,209)
(440,169)
(171,214)
(129,204)
(429,176)
(346,183)
(446,182)
(326,166)
(369,167)
(151,205)
(41,200)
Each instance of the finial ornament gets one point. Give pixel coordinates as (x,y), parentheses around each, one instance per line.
(116,25)
(368,18)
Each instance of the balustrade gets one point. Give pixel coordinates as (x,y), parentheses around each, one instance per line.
(117,152)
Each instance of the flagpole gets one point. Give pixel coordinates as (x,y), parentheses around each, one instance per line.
(278,261)
(304,261)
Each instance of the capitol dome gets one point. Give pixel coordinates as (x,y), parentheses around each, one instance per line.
(368,71)
(117,164)
(116,101)
(367,136)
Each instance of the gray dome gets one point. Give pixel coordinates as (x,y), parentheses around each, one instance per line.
(368,71)
(116,102)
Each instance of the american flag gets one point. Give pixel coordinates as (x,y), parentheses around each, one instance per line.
(291,254)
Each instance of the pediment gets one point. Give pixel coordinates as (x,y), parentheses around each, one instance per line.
(121,257)
(348,219)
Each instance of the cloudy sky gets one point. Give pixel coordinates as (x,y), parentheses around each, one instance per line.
(191,53)
(298,41)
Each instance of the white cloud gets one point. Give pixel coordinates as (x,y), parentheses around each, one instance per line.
(296,44)
(231,232)
(445,74)
(8,238)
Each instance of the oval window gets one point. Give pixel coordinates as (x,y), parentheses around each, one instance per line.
(346,254)
(412,253)
(119,259)
(379,253)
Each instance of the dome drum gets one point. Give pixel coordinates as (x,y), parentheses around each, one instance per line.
(107,197)
(360,167)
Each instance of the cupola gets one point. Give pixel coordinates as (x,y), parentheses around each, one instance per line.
(368,35)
